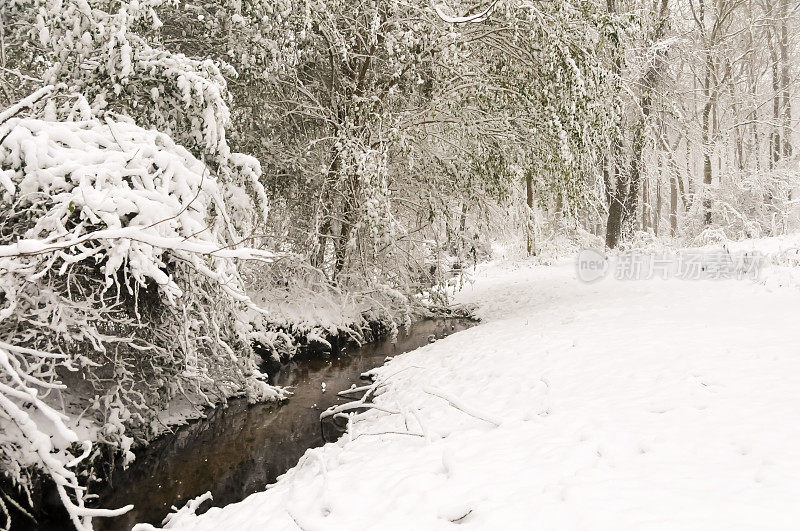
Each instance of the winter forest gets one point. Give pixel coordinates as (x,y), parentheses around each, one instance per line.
(199,196)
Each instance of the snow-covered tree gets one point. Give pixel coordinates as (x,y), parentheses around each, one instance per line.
(120,244)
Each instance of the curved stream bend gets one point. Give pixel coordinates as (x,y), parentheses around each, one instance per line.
(237,451)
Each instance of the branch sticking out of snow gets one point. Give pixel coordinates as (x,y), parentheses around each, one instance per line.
(175,517)
(458,404)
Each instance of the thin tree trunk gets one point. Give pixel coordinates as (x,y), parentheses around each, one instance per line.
(685,194)
(657,213)
(707,170)
(646,210)
(529,216)
(673,205)
(775,136)
(318,259)
(635,172)
(708,93)
(341,243)
(785,80)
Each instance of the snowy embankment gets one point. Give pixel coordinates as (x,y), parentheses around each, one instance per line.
(621,405)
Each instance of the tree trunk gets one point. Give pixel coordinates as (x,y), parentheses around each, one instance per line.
(318,258)
(657,214)
(615,197)
(646,210)
(707,173)
(340,247)
(785,79)
(708,93)
(529,216)
(775,136)
(614,175)
(635,172)
(686,191)
(673,205)
(614,222)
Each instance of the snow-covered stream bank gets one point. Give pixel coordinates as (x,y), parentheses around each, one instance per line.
(236,450)
(619,405)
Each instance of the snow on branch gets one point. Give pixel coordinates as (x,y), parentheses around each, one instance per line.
(454,19)
(122,195)
(24,103)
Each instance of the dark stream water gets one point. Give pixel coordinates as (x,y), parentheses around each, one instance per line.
(239,450)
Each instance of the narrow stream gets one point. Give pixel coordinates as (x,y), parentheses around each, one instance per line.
(237,451)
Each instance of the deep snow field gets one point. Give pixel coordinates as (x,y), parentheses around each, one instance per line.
(653,404)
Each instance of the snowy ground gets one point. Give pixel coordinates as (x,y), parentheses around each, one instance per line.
(621,405)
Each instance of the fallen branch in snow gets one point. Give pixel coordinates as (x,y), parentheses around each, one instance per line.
(389,433)
(369,391)
(354,390)
(460,518)
(363,401)
(456,403)
(425,431)
(355,405)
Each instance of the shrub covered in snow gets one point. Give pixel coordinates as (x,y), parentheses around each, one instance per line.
(118,275)
(120,246)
